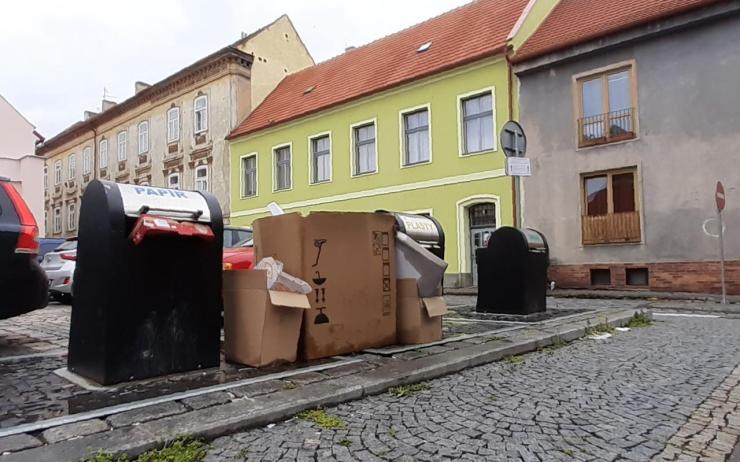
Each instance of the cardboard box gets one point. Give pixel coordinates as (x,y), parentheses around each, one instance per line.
(349,261)
(419,319)
(261,327)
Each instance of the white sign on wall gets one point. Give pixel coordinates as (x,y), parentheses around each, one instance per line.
(518,166)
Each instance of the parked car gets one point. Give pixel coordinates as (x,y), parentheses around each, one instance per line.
(60,268)
(23,285)
(239,257)
(234,235)
(46,245)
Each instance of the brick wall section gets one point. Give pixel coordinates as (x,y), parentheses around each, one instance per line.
(697,277)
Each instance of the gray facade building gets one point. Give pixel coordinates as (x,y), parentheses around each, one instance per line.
(628,134)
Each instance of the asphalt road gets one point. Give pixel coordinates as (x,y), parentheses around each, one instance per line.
(622,398)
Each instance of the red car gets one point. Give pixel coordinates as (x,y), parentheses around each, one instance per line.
(240,256)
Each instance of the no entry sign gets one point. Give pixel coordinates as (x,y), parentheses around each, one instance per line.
(719,196)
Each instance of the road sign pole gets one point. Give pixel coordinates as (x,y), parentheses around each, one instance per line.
(722,257)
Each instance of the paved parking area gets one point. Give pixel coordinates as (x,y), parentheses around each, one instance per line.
(630,397)
(41,331)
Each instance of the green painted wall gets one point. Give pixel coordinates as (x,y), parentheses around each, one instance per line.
(439,185)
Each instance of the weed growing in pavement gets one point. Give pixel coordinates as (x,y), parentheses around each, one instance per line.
(403,391)
(345,443)
(289,386)
(321,418)
(557,343)
(603,328)
(392,432)
(640,319)
(513,360)
(567,452)
(180,450)
(243,453)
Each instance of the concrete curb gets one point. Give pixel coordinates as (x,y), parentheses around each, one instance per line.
(247,413)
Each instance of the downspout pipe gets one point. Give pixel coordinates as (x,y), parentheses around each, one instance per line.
(515,193)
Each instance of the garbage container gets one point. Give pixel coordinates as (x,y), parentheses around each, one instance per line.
(425,230)
(147,283)
(512,272)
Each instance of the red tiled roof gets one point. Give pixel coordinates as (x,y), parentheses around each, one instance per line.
(577,21)
(466,34)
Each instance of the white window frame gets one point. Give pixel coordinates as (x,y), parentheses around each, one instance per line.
(103,148)
(58,172)
(71,166)
(122,138)
(143,136)
(207,178)
(86,160)
(242,175)
(311,171)
(173,124)
(197,130)
(71,216)
(179,180)
(353,147)
(461,125)
(274,166)
(402,133)
(57,219)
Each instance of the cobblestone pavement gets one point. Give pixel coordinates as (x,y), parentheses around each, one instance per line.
(623,398)
(36,332)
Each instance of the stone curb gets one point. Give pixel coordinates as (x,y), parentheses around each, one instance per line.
(248,413)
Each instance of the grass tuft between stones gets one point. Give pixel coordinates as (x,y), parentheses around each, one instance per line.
(514,360)
(602,328)
(638,320)
(321,418)
(403,391)
(180,450)
(345,443)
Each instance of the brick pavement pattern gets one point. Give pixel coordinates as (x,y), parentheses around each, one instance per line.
(713,429)
(622,398)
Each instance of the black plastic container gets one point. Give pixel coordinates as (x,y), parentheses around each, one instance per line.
(512,272)
(150,309)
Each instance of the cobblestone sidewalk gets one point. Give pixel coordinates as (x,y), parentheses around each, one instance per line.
(619,399)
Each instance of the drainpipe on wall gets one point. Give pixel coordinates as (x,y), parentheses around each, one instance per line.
(515,183)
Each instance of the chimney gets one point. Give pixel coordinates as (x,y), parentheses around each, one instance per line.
(88,114)
(138,86)
(107,104)
(349,48)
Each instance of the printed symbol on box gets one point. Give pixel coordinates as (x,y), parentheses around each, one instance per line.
(386,254)
(321,318)
(385,240)
(386,305)
(386,270)
(318,243)
(377,242)
(386,284)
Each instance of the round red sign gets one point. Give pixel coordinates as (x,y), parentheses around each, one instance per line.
(719,196)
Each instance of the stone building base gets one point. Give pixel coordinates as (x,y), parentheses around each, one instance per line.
(697,277)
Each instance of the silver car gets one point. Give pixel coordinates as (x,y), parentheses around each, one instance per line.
(59,266)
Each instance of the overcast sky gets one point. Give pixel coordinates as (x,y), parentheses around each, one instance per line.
(57,56)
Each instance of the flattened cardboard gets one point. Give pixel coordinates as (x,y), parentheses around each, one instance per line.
(419,319)
(349,261)
(281,237)
(261,327)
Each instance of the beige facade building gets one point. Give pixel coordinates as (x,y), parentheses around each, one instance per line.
(18,163)
(172,133)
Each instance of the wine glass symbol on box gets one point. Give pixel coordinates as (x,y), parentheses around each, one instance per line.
(319,281)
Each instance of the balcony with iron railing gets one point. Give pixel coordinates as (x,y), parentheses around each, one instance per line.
(606,128)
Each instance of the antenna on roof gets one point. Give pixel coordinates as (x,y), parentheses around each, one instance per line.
(106,94)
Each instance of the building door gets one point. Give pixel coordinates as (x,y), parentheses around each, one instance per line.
(482,219)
